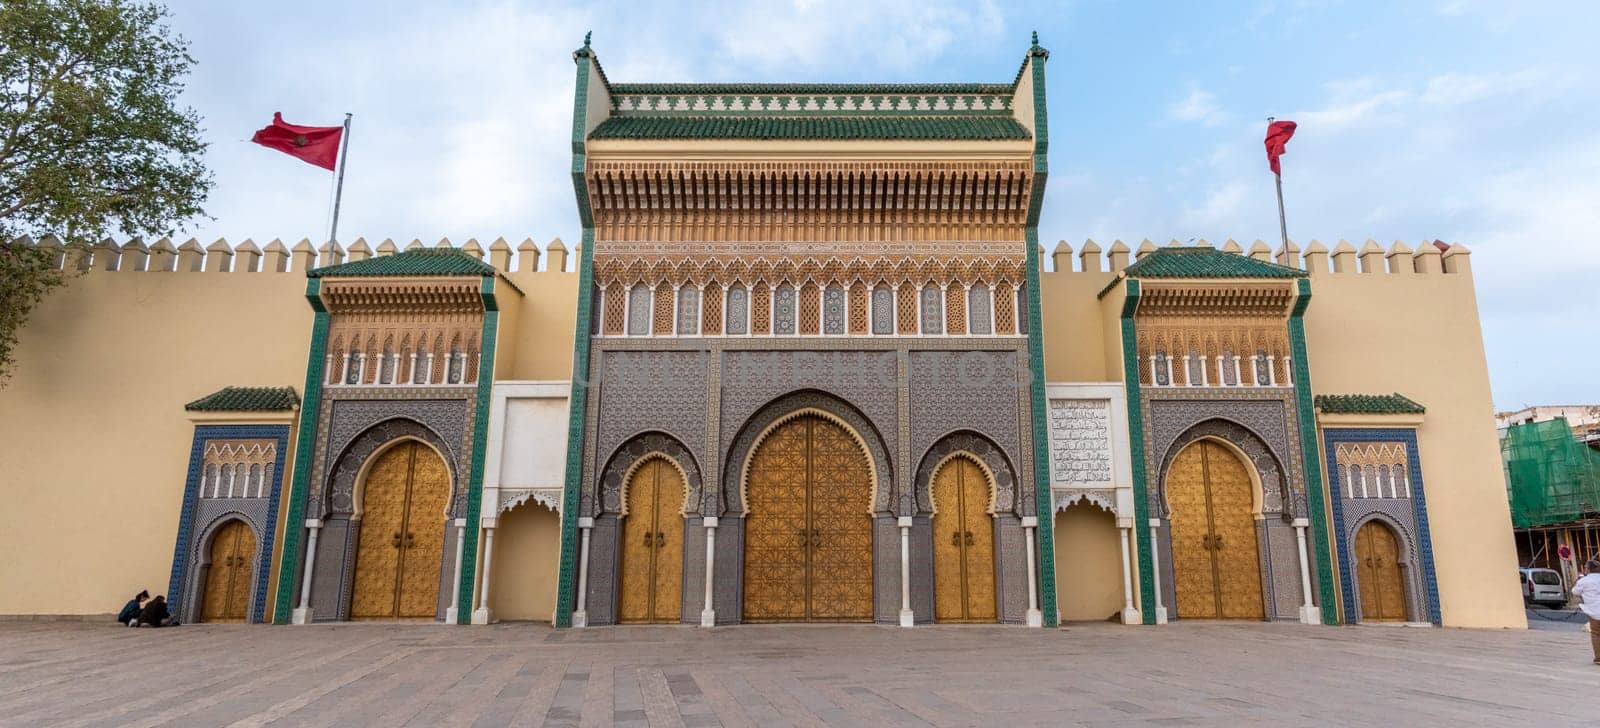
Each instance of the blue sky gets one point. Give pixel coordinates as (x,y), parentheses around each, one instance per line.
(1476,122)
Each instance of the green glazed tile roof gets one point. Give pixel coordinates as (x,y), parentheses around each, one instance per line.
(820,127)
(246,399)
(713,89)
(1204,262)
(1368,404)
(422,262)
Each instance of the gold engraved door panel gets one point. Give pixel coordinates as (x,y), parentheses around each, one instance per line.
(841,529)
(422,545)
(1193,575)
(1216,570)
(652,550)
(808,538)
(227,589)
(963,543)
(1378,574)
(399,551)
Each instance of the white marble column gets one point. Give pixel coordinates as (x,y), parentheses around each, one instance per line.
(1155,568)
(580,616)
(302,613)
(1309,613)
(483,615)
(708,614)
(1030,524)
(907,617)
(452,613)
(1130,613)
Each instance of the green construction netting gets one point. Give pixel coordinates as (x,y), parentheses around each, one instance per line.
(1551,477)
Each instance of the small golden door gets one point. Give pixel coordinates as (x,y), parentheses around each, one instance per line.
(963,545)
(652,545)
(227,595)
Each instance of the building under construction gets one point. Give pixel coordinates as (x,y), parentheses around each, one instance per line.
(1553,482)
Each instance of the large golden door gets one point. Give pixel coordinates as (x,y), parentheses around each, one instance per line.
(227,591)
(963,545)
(1383,594)
(1214,563)
(399,553)
(652,545)
(808,535)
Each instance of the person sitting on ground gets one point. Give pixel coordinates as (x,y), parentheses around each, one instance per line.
(130,611)
(1587,589)
(155,614)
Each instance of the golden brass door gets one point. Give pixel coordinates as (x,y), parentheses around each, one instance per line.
(963,545)
(1215,568)
(652,545)
(227,590)
(808,535)
(400,550)
(1383,593)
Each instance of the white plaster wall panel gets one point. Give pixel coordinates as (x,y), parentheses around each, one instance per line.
(535,444)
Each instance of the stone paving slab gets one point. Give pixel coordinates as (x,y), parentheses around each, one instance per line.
(1197,673)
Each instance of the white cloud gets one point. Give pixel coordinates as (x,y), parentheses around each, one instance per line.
(1199,106)
(806,35)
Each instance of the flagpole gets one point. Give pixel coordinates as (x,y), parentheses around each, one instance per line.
(344,147)
(1283,224)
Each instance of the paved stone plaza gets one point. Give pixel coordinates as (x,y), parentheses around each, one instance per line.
(415,674)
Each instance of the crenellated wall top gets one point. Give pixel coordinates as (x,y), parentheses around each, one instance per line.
(1316,259)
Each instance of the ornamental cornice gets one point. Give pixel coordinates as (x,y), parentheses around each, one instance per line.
(400,296)
(991,269)
(548,497)
(1230,299)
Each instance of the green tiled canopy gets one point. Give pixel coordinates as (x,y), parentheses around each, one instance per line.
(1204,262)
(811,127)
(1368,404)
(246,399)
(718,89)
(421,262)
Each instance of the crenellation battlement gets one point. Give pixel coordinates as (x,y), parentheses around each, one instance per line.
(1432,257)
(221,256)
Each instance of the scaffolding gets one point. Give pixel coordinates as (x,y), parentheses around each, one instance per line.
(1551,477)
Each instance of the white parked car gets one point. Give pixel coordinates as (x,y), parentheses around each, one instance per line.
(1542,586)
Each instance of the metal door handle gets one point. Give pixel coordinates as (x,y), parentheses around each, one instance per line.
(397,539)
(661,539)
(969,538)
(1205,543)
(1218,541)
(816,538)
(411,541)
(649,539)
(805,538)
(955,538)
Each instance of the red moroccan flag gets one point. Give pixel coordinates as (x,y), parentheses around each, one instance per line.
(1278,135)
(317,145)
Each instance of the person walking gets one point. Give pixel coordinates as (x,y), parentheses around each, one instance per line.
(1587,590)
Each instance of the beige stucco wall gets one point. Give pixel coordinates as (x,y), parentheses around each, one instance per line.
(1418,334)
(94,441)
(1074,335)
(1088,564)
(527,547)
(541,331)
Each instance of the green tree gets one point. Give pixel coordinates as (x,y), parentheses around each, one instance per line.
(92,138)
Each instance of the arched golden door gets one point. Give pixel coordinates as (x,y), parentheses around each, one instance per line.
(227,595)
(1214,564)
(1383,593)
(402,535)
(808,535)
(963,545)
(652,545)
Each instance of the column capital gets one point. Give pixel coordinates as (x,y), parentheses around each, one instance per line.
(459,523)
(904,521)
(709,521)
(489,522)
(1155,523)
(313,523)
(1030,521)
(1300,522)
(585,522)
